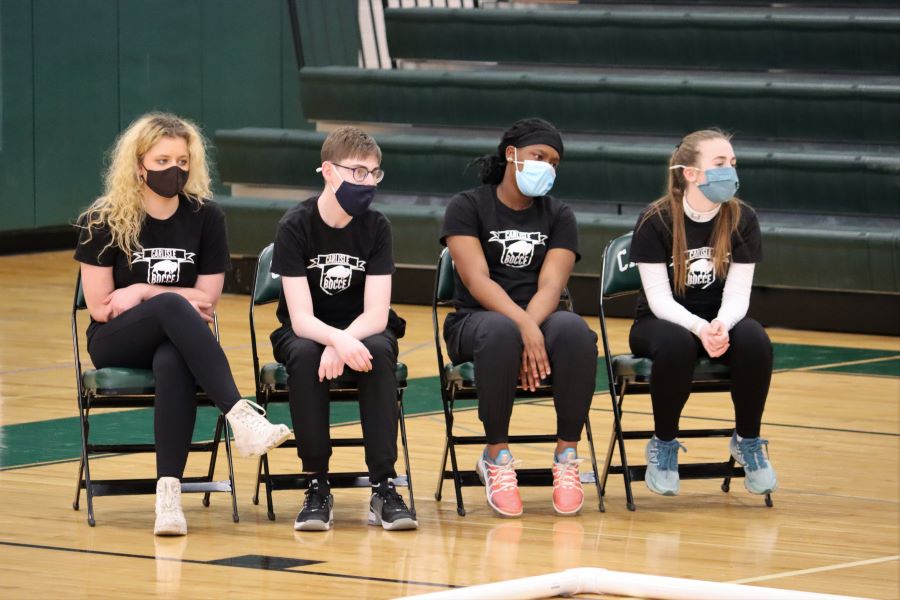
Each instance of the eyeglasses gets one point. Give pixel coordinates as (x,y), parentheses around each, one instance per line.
(360,173)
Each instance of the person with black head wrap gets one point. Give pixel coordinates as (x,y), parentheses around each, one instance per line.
(514,247)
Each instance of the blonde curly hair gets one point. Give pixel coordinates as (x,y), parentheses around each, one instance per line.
(120,208)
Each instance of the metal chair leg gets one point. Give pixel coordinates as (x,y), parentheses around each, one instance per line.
(590,437)
(457,478)
(77,500)
(409,483)
(270,508)
(626,474)
(259,478)
(217,437)
(726,484)
(440,482)
(234,509)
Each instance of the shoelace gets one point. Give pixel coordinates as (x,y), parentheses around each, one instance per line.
(503,477)
(392,500)
(169,500)
(249,420)
(665,454)
(568,476)
(752,452)
(316,498)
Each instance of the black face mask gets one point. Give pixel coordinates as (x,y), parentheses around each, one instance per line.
(168,182)
(355,199)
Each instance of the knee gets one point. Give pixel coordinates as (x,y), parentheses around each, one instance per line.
(674,345)
(749,339)
(498,333)
(170,303)
(383,350)
(302,354)
(167,359)
(572,331)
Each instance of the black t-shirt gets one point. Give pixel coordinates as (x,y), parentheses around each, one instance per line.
(514,242)
(652,243)
(192,242)
(335,262)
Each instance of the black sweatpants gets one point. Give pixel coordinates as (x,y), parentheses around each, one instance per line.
(494,343)
(309,400)
(167,335)
(675,350)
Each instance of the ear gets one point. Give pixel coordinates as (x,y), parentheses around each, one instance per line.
(690,175)
(510,153)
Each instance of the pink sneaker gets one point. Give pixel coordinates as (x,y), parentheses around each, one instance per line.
(568,497)
(500,483)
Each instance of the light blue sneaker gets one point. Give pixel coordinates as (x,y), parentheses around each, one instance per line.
(662,466)
(759,475)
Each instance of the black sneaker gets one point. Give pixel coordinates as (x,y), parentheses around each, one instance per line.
(317,513)
(386,508)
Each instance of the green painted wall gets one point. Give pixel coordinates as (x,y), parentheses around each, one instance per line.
(74,73)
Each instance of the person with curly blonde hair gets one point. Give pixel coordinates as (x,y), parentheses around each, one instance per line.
(153,251)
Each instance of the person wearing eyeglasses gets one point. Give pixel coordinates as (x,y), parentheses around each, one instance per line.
(334,255)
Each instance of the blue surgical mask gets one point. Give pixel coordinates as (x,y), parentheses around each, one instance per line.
(536,177)
(721,185)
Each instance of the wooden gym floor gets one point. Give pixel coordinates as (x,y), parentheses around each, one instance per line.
(832,419)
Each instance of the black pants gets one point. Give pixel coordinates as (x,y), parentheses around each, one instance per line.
(166,334)
(310,403)
(675,350)
(494,343)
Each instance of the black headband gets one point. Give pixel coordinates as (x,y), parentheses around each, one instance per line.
(534,130)
(549,137)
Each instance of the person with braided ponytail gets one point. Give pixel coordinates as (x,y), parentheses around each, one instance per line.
(696,249)
(514,247)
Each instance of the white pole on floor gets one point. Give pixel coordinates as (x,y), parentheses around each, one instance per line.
(600,581)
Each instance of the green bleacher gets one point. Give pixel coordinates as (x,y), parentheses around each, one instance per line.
(812,95)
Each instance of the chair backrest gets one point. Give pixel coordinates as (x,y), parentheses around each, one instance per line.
(619,274)
(266,286)
(446,282)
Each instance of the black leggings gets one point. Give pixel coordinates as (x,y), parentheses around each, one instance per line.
(310,402)
(675,350)
(166,334)
(494,343)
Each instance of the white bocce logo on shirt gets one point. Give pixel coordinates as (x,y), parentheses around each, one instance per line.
(163,264)
(518,246)
(336,271)
(700,272)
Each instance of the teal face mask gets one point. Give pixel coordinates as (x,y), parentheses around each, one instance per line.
(536,177)
(721,185)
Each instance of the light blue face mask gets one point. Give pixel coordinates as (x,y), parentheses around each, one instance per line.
(536,177)
(721,185)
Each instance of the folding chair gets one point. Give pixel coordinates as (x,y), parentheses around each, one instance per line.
(115,387)
(272,386)
(458,383)
(629,374)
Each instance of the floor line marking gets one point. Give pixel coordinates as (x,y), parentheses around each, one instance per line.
(214,563)
(849,363)
(847,565)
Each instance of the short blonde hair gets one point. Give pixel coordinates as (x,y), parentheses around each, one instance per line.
(349,142)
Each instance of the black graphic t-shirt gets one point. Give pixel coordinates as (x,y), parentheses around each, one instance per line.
(652,243)
(514,241)
(192,242)
(335,262)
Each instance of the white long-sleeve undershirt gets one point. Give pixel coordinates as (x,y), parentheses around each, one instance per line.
(735,296)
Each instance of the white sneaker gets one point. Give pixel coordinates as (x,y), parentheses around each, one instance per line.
(253,434)
(169,516)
